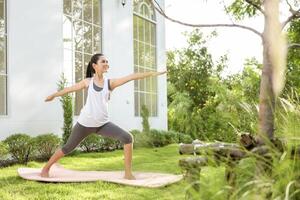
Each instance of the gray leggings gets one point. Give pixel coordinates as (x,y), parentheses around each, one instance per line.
(79,132)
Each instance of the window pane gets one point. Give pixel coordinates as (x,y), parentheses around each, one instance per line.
(135,27)
(3,89)
(142,85)
(142,100)
(78,77)
(77,9)
(87,11)
(96,12)
(146,12)
(147,31)
(136,81)
(148,103)
(78,37)
(78,67)
(87,35)
(142,81)
(153,34)
(136,103)
(148,84)
(154,85)
(96,39)
(153,57)
(147,56)
(141,54)
(141,29)
(2,55)
(68,7)
(87,59)
(135,52)
(136,85)
(2,18)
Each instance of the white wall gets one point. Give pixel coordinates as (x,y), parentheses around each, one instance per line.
(35,57)
(35,62)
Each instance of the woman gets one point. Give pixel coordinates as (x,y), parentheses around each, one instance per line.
(93,117)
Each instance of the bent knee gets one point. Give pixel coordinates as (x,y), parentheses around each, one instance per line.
(67,149)
(128,138)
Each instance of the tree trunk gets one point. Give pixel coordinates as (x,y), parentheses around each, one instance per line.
(266,96)
(272,78)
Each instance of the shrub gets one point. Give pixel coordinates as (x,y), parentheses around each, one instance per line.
(157,138)
(140,139)
(96,143)
(177,137)
(184,138)
(109,144)
(3,149)
(171,137)
(135,133)
(91,143)
(45,145)
(20,146)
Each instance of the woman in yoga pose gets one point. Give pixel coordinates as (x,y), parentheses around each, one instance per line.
(93,117)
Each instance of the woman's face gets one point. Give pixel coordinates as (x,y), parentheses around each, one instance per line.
(102,65)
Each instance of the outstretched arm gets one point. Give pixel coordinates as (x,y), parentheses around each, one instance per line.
(120,81)
(78,86)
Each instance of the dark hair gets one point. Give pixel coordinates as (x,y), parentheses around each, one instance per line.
(90,70)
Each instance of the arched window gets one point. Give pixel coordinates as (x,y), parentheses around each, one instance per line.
(82,38)
(144,32)
(3,63)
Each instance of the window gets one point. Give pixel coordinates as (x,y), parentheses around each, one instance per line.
(82,38)
(3,64)
(144,33)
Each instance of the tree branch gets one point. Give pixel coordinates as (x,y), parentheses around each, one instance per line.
(158,8)
(255,6)
(288,3)
(294,45)
(295,14)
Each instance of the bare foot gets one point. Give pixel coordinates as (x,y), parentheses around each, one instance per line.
(129,177)
(45,173)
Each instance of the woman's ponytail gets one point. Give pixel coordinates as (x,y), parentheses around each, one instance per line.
(90,70)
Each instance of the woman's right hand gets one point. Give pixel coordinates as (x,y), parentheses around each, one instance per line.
(158,73)
(50,98)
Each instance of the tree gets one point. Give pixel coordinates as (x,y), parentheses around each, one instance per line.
(145,116)
(274,51)
(292,86)
(193,70)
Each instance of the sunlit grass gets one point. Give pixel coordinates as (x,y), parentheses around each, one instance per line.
(145,159)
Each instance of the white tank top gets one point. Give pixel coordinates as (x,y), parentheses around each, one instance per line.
(95,111)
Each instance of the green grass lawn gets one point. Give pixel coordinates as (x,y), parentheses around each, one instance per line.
(163,159)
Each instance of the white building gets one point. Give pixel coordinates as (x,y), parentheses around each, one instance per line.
(42,39)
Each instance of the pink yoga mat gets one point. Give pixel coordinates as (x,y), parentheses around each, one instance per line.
(60,174)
